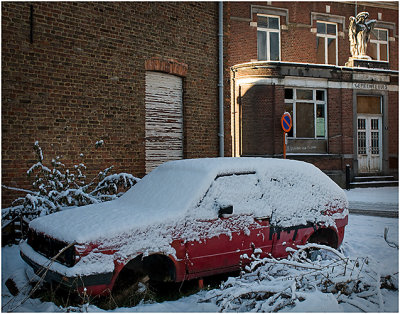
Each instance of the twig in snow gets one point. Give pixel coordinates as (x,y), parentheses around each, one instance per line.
(41,279)
(390,243)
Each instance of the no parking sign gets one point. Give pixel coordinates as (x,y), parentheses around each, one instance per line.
(286,123)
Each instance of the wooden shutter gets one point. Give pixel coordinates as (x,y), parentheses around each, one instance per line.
(164,119)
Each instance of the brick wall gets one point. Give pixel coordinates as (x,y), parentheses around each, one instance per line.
(257,109)
(279,110)
(393,131)
(298,42)
(298,45)
(347,121)
(82,79)
(334,121)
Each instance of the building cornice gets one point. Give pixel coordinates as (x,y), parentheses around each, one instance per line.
(275,64)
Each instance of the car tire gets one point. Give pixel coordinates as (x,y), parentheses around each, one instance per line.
(129,289)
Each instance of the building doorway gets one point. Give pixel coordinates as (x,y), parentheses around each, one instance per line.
(369,134)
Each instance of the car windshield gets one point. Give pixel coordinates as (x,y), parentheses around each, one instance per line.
(168,191)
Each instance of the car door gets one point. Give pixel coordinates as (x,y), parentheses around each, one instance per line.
(223,239)
(217,253)
(290,237)
(258,241)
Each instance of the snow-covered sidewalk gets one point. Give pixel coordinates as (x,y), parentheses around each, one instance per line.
(385,199)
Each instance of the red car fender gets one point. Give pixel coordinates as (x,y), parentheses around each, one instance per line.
(179,259)
(180,268)
(338,231)
(119,264)
(307,233)
(179,265)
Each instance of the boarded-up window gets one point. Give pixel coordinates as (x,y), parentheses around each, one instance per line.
(164,119)
(369,104)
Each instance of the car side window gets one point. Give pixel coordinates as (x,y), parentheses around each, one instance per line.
(241,191)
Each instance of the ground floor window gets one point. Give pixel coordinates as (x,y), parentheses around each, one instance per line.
(308,110)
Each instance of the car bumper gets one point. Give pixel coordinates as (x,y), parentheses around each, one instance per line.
(93,284)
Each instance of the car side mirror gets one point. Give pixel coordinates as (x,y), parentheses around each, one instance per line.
(226,210)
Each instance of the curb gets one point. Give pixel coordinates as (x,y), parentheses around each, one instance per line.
(378,213)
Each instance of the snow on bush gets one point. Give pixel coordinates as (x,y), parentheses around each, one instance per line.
(271,285)
(55,188)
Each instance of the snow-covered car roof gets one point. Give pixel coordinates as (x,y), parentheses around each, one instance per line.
(292,193)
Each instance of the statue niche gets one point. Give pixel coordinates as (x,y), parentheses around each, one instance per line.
(359,35)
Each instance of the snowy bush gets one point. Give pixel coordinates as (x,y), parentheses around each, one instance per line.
(271,285)
(55,188)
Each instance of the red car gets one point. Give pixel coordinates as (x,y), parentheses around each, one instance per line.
(189,219)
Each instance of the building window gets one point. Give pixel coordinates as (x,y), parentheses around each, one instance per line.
(308,110)
(378,46)
(268,38)
(327,43)
(163,119)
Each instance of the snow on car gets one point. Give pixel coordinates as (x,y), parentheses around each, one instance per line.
(188,219)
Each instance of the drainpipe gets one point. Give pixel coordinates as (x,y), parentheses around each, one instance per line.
(221,77)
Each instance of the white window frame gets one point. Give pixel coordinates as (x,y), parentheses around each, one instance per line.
(268,31)
(326,37)
(379,42)
(316,103)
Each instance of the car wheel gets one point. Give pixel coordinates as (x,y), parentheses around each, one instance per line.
(323,236)
(129,289)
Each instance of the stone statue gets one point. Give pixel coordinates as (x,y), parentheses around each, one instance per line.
(359,34)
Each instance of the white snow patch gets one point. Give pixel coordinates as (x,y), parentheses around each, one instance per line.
(317,302)
(381,195)
(99,143)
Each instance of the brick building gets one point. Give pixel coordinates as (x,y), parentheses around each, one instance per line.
(293,56)
(141,76)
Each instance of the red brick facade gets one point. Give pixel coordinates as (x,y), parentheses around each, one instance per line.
(259,106)
(298,28)
(258,86)
(82,79)
(73,73)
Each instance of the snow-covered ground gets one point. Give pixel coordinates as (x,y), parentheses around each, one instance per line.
(363,238)
(384,198)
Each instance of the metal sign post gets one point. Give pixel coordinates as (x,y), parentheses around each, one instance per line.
(286,123)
